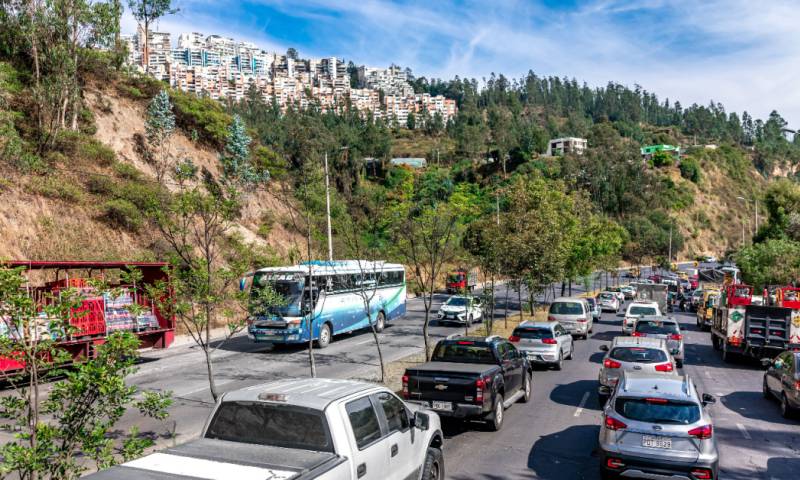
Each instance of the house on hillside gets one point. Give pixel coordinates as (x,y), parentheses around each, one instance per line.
(410,162)
(563,146)
(649,150)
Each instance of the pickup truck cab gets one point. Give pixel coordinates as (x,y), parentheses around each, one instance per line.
(460,309)
(302,429)
(471,378)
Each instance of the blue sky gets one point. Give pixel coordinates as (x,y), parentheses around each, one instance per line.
(743,53)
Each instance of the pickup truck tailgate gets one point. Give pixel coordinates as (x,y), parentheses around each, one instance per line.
(451,382)
(221,460)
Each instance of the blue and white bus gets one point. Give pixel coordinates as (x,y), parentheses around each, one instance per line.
(327,302)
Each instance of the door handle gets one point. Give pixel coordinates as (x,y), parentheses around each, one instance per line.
(361,470)
(394,450)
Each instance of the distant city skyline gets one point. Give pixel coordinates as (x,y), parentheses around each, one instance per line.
(743,54)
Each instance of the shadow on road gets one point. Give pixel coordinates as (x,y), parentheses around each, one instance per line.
(753,405)
(572,393)
(597,357)
(606,336)
(549,459)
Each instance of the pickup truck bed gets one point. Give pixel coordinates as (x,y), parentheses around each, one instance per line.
(218,459)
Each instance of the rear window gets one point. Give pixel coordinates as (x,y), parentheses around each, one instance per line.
(656,327)
(607,296)
(462,352)
(566,308)
(533,333)
(267,424)
(638,310)
(656,410)
(638,355)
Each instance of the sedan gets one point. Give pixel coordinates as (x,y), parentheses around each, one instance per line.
(782,381)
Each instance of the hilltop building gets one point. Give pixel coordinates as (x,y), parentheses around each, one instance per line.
(563,146)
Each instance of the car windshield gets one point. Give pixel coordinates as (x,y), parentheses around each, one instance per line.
(533,333)
(456,277)
(657,410)
(656,327)
(463,352)
(638,355)
(457,302)
(566,308)
(267,424)
(642,310)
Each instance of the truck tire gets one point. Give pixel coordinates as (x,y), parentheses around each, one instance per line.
(526,387)
(433,469)
(727,356)
(380,322)
(498,414)
(325,336)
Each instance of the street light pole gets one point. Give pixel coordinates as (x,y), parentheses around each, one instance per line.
(328,209)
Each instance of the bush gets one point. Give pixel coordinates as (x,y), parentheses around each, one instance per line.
(100,185)
(690,169)
(661,159)
(132,92)
(203,114)
(81,147)
(122,213)
(59,188)
(144,195)
(127,171)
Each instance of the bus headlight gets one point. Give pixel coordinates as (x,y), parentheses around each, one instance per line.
(293,321)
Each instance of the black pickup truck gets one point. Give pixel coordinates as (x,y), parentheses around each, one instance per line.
(471,378)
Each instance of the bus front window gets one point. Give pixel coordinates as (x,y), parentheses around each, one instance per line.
(290,290)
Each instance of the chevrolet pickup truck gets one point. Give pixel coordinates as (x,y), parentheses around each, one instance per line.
(305,429)
(471,378)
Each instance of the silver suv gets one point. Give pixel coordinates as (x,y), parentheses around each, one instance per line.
(543,342)
(640,354)
(657,426)
(573,314)
(665,328)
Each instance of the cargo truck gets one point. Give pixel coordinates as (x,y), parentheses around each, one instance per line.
(462,281)
(652,292)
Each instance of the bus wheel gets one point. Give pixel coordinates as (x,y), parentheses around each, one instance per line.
(380,322)
(324,336)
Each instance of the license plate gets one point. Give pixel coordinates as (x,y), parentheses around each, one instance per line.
(444,406)
(650,441)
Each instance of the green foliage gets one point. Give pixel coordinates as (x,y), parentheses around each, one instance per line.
(649,237)
(265,159)
(237,166)
(674,196)
(202,114)
(79,147)
(57,187)
(127,171)
(662,159)
(159,121)
(122,213)
(772,262)
(690,169)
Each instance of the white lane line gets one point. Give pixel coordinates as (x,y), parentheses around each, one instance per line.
(579,410)
(707,373)
(366,342)
(744,431)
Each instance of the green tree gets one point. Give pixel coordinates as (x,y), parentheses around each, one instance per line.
(159,126)
(411,121)
(772,262)
(146,12)
(690,169)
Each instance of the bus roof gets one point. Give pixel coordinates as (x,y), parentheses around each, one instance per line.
(323,267)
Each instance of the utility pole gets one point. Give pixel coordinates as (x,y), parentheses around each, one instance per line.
(755,207)
(328,209)
(669,260)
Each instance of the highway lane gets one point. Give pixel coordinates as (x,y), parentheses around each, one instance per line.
(555,435)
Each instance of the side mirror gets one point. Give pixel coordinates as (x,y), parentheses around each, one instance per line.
(603,348)
(766,362)
(708,399)
(421,421)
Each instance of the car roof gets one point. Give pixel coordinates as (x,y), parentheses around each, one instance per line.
(537,324)
(638,342)
(568,299)
(647,303)
(657,385)
(316,393)
(660,318)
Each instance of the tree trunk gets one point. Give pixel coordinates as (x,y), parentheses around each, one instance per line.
(563,287)
(570,287)
(505,309)
(425,330)
(212,385)
(377,346)
(519,299)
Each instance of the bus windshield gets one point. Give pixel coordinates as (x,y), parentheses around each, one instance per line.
(290,290)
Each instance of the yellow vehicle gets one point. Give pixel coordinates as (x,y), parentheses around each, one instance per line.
(705,311)
(683,275)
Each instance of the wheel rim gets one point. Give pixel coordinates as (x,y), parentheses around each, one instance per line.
(527,387)
(498,414)
(434,470)
(325,335)
(381,321)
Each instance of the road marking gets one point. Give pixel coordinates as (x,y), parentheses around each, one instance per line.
(582,404)
(707,373)
(744,431)
(366,342)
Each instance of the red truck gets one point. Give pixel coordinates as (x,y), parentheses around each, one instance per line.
(99,313)
(462,281)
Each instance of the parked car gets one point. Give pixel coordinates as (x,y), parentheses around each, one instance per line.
(636,310)
(471,378)
(303,429)
(629,292)
(594,307)
(782,381)
(658,426)
(608,302)
(665,328)
(460,309)
(573,314)
(632,353)
(547,343)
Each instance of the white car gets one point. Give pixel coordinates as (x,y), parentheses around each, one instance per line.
(609,302)
(460,309)
(636,310)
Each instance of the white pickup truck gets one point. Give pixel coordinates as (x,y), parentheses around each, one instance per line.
(319,429)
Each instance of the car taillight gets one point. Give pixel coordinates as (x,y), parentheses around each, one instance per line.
(405,386)
(614,424)
(638,334)
(480,385)
(551,319)
(702,473)
(703,433)
(549,341)
(676,336)
(664,367)
(608,363)
(513,338)
(614,463)
(797,385)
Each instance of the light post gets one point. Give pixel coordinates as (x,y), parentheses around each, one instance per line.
(328,206)
(754,229)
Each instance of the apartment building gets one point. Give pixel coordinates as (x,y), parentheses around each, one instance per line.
(563,146)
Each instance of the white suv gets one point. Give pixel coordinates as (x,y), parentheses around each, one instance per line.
(636,310)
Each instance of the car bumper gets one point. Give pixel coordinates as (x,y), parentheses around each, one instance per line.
(276,336)
(656,468)
(460,410)
(577,328)
(542,357)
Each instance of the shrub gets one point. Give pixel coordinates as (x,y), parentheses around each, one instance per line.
(144,195)
(79,146)
(127,171)
(97,153)
(59,188)
(122,213)
(203,114)
(661,159)
(690,169)
(132,92)
(100,185)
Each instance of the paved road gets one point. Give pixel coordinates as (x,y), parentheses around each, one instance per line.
(555,435)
